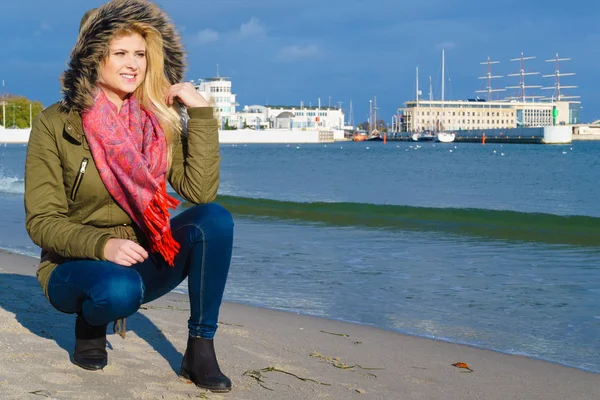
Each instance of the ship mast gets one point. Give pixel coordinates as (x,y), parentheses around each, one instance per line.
(416,124)
(489,78)
(557,74)
(370,116)
(522,74)
(443,77)
(430,102)
(443,86)
(375,111)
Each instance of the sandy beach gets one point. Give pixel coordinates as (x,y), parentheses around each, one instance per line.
(267,354)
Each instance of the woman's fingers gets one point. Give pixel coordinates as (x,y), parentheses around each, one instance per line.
(137,252)
(134,253)
(124,252)
(187,95)
(140,250)
(122,260)
(172,93)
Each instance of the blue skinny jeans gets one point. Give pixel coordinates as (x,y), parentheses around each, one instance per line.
(102,291)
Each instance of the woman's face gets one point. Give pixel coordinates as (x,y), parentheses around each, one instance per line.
(124,69)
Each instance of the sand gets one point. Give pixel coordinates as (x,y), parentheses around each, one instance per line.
(267,354)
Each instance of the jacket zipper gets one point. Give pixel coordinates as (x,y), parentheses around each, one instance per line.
(79,177)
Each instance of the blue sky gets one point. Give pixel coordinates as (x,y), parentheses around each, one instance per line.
(284,52)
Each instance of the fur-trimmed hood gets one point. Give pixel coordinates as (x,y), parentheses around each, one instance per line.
(97,27)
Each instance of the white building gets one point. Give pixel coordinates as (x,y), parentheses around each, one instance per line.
(470,115)
(289,117)
(218,90)
(321,120)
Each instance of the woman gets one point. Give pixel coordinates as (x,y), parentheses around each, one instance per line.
(95,187)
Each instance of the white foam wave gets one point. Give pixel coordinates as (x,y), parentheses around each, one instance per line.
(12,185)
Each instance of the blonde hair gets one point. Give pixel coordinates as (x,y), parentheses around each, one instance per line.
(151,93)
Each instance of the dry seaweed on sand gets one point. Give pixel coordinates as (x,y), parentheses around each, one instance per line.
(229,324)
(258,375)
(336,362)
(167,307)
(336,334)
(43,393)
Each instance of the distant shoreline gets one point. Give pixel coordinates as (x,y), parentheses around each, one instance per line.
(21,136)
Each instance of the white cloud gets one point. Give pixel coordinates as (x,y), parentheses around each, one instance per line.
(252,28)
(206,36)
(44,27)
(292,53)
(445,45)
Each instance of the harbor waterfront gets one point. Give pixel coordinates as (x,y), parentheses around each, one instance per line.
(493,246)
(533,135)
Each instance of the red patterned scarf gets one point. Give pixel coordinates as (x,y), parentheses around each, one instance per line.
(130,152)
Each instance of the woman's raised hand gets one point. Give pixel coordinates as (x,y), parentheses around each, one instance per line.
(186,94)
(124,252)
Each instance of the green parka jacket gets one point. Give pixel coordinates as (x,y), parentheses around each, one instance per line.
(69,212)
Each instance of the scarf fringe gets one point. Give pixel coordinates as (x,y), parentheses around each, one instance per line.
(157,221)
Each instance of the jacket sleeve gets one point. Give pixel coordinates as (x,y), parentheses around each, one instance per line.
(194,172)
(46,203)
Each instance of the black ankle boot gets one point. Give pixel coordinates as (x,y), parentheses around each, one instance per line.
(200,366)
(90,345)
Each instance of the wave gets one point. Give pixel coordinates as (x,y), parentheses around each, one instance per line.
(12,185)
(575,230)
(493,224)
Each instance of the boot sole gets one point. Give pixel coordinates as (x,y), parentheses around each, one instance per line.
(87,367)
(185,377)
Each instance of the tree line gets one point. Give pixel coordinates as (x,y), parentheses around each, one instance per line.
(17,111)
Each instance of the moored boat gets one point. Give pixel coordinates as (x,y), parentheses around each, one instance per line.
(445,137)
(423,137)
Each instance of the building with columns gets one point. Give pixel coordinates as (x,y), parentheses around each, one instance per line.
(425,115)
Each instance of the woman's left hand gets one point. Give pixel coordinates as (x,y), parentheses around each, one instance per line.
(187,95)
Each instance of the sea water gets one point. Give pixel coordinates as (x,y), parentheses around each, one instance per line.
(495,246)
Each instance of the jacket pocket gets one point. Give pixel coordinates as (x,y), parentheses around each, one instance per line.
(79,177)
